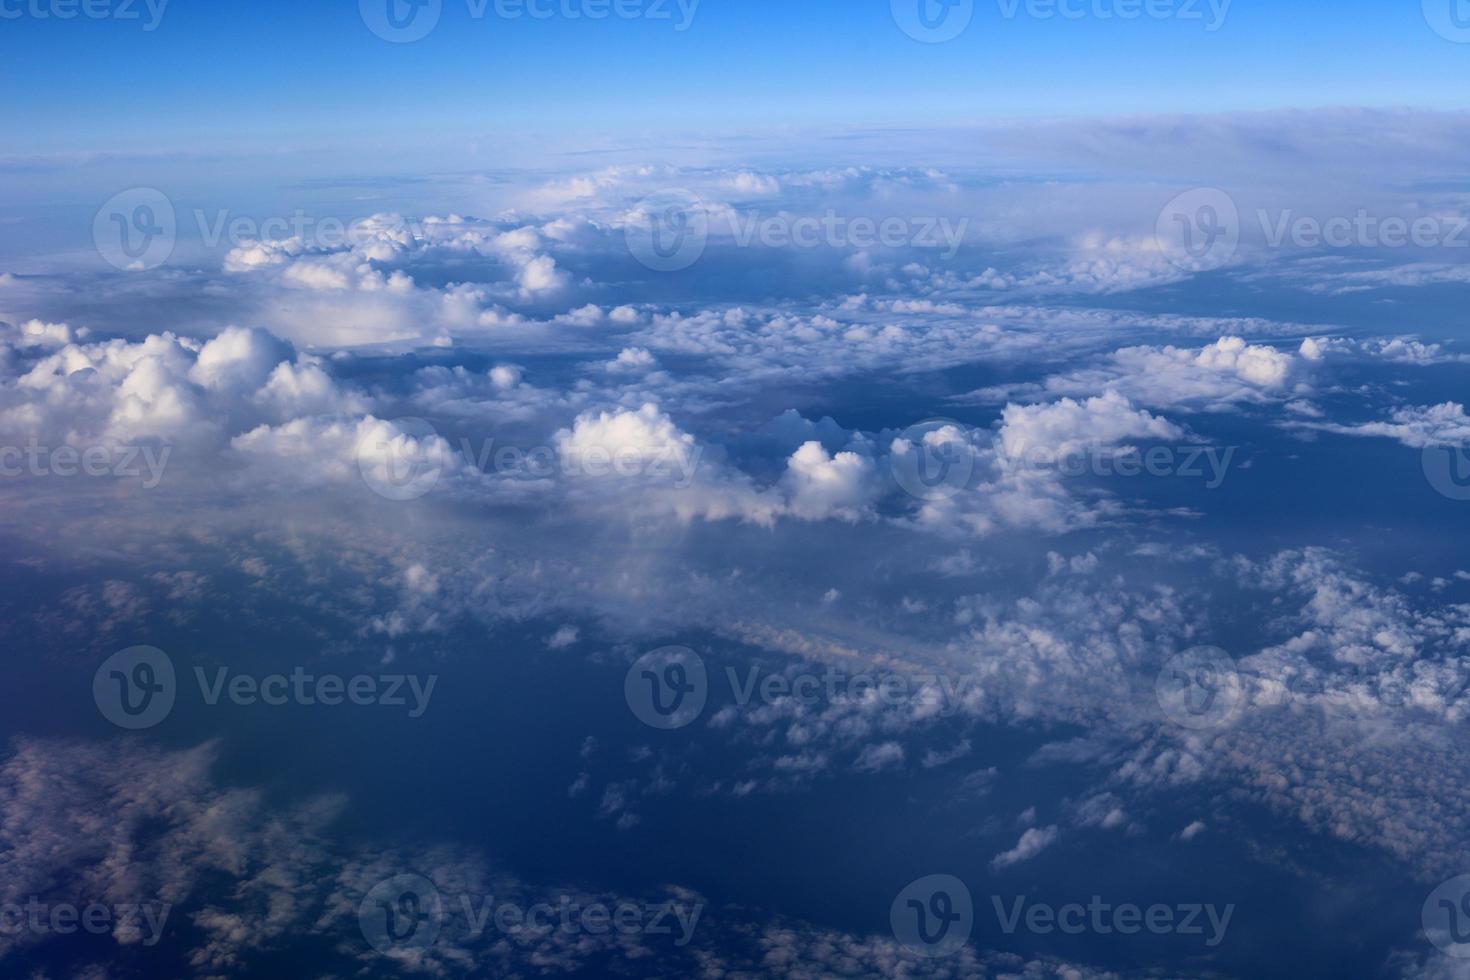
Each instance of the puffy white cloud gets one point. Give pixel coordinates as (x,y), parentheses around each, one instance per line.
(1066,426)
(822,485)
(239,358)
(632,438)
(633,359)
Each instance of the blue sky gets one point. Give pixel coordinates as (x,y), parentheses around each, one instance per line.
(224,77)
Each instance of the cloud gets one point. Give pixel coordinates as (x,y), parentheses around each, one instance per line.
(1032,842)
(1066,426)
(1418,427)
(821,485)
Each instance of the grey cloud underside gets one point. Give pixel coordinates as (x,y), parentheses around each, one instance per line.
(117,823)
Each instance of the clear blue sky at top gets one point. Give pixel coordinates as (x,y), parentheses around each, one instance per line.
(269,75)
